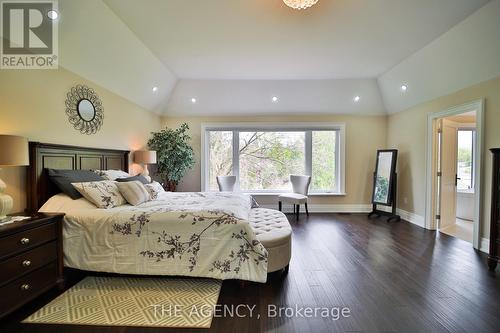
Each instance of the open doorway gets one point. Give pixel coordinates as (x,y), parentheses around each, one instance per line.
(454,171)
(456,140)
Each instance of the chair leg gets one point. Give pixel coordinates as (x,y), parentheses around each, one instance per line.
(298,211)
(280,206)
(307,210)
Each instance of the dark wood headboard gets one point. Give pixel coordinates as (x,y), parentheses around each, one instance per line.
(45,156)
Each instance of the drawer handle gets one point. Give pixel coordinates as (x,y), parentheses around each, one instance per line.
(25,241)
(26,263)
(25,286)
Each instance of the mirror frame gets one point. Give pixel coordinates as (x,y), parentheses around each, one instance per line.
(390,194)
(74,97)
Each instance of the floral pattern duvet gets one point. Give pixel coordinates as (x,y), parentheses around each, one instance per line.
(188,234)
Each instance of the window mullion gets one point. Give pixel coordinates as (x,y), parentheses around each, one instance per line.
(308,152)
(338,180)
(236,157)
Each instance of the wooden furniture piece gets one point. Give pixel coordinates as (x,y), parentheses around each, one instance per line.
(31,259)
(45,156)
(494,255)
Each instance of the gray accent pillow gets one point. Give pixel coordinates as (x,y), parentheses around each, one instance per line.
(134,192)
(63,179)
(139,178)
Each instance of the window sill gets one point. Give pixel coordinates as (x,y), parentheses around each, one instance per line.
(471,191)
(268,194)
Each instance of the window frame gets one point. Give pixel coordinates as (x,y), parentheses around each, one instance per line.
(306,127)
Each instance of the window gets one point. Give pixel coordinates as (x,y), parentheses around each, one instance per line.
(263,156)
(220,156)
(465,159)
(268,158)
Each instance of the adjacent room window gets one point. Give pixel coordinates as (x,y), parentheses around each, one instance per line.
(465,160)
(263,157)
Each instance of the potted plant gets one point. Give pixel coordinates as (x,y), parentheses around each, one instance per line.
(174,154)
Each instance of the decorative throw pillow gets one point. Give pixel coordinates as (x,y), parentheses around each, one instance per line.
(112,174)
(103,194)
(63,179)
(154,189)
(140,178)
(134,192)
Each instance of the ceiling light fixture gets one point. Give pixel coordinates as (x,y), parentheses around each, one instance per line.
(300,4)
(356,99)
(274,99)
(155,89)
(52,14)
(193,100)
(404,87)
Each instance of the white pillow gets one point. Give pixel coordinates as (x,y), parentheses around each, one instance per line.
(154,189)
(134,192)
(103,194)
(112,174)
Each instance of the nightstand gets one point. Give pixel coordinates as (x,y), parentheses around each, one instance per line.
(31,259)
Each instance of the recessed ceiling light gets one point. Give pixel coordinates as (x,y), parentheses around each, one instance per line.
(193,100)
(155,89)
(274,99)
(356,99)
(404,87)
(52,14)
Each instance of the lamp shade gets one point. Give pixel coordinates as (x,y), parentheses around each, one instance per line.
(145,156)
(13,150)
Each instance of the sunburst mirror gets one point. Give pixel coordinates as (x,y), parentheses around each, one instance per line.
(84,109)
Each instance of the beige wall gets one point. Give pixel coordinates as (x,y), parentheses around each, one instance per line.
(407,132)
(364,135)
(32,105)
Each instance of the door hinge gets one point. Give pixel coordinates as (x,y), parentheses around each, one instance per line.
(438,217)
(439,174)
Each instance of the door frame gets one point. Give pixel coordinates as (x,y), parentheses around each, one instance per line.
(431,158)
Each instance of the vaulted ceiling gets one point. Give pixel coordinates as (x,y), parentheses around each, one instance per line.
(234,55)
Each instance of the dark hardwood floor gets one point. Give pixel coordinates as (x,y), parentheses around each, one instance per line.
(393,277)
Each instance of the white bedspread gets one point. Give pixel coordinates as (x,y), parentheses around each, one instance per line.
(189,234)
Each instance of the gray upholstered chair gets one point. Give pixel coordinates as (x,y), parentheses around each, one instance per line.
(300,186)
(226,183)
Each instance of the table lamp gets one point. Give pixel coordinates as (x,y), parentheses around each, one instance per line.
(145,157)
(13,152)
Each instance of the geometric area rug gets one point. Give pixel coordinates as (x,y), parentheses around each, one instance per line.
(131,301)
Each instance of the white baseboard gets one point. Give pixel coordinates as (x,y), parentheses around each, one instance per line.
(412,217)
(353,208)
(331,208)
(407,216)
(485,245)
(366,208)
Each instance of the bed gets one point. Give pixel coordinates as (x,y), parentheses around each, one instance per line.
(188,234)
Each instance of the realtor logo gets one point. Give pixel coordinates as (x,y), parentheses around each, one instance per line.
(29,35)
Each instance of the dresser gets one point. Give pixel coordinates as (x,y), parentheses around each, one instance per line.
(30,259)
(494,255)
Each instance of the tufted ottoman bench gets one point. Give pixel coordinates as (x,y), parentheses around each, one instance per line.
(274,232)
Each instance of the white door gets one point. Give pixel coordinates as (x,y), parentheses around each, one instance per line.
(448,174)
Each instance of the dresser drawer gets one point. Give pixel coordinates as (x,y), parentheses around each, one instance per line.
(27,239)
(26,288)
(28,261)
